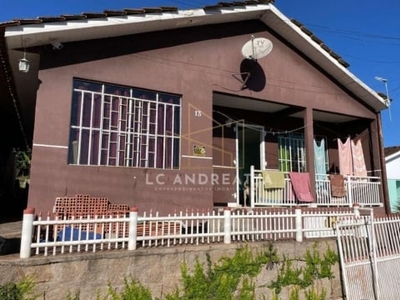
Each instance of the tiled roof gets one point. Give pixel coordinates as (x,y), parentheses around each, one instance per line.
(391,150)
(163,9)
(321,43)
(89,15)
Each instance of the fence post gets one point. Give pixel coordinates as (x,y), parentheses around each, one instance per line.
(298,224)
(349,190)
(133,219)
(252,187)
(227,225)
(356,210)
(26,234)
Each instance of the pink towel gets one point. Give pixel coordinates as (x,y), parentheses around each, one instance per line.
(345,157)
(301,186)
(359,167)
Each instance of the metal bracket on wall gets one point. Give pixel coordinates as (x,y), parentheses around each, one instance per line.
(243,81)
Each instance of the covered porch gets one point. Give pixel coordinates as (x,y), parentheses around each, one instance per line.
(251,137)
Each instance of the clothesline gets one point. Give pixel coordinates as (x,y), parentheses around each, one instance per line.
(346,137)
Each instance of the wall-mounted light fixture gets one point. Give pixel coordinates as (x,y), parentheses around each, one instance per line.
(57,45)
(385,82)
(23,64)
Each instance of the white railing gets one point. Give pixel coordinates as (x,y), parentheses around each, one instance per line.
(46,236)
(369,251)
(361,190)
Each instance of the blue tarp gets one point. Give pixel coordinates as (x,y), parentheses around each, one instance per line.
(73,235)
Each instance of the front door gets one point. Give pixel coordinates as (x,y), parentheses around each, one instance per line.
(250,152)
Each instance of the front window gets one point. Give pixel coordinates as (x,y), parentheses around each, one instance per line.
(122,126)
(292,153)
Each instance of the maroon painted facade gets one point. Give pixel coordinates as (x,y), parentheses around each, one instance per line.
(201,64)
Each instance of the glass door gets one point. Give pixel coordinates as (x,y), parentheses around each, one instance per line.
(250,152)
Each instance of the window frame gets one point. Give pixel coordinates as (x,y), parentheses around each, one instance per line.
(115,125)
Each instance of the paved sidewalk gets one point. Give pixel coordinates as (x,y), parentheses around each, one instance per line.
(11,229)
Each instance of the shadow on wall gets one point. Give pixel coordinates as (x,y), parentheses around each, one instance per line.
(9,245)
(13,201)
(253,75)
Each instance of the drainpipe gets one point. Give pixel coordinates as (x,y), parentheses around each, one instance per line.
(384,182)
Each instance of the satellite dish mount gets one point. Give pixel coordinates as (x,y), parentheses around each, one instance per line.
(252,51)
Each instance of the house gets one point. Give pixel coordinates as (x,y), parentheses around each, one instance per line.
(169,109)
(392,159)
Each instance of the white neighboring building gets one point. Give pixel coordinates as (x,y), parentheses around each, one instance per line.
(392,159)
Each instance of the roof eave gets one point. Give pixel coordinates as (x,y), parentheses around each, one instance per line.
(73,30)
(392,157)
(305,43)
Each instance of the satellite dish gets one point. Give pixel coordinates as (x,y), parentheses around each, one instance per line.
(257,48)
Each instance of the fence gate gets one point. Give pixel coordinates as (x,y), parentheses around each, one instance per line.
(369,250)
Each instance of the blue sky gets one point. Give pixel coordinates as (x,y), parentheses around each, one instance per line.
(365,33)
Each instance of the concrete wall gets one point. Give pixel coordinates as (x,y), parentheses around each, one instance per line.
(156,268)
(393,175)
(393,167)
(394,193)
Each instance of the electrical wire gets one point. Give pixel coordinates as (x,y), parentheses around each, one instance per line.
(354,33)
(215,71)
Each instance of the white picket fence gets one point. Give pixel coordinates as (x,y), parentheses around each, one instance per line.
(47,236)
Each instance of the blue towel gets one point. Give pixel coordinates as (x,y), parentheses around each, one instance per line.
(73,235)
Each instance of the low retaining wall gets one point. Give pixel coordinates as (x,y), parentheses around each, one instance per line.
(156,268)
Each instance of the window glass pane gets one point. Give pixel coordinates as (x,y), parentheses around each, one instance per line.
(160,119)
(177,120)
(151,151)
(291,154)
(142,94)
(116,90)
(121,150)
(169,99)
(153,117)
(160,153)
(176,154)
(87,86)
(96,116)
(94,153)
(76,108)
(114,113)
(106,112)
(87,109)
(73,146)
(84,147)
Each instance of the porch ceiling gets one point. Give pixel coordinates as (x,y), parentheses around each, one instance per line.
(271,107)
(327,117)
(247,103)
